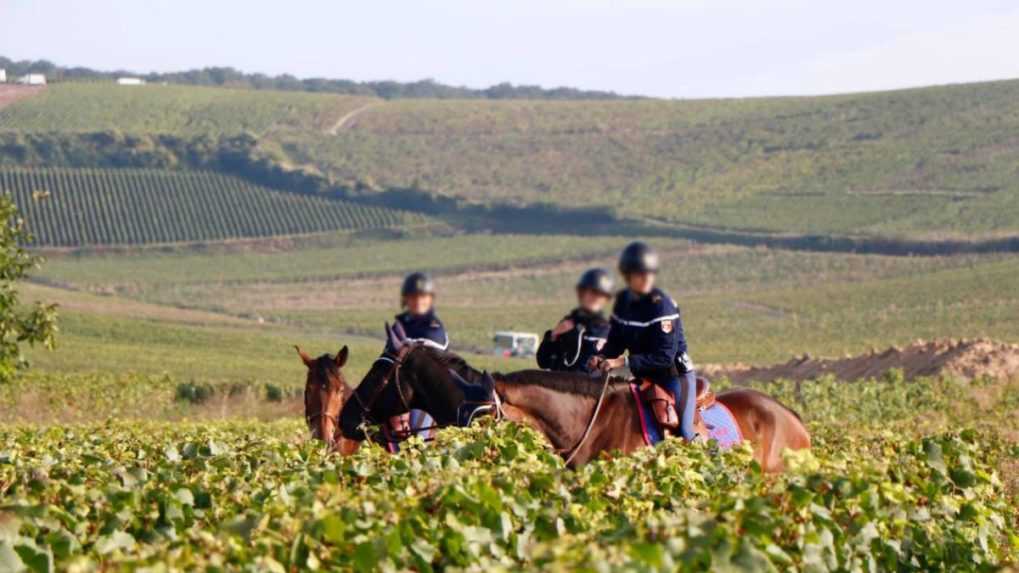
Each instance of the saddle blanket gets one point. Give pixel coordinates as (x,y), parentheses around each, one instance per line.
(721,424)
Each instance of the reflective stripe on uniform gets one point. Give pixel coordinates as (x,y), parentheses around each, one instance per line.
(431,343)
(645,324)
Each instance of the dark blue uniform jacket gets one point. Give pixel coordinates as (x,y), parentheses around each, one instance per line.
(426,328)
(571,350)
(650,329)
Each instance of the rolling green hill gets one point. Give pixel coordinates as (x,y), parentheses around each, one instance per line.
(922,164)
(81,207)
(919,162)
(89,107)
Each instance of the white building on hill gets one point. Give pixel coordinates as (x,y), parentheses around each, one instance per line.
(130,82)
(32,80)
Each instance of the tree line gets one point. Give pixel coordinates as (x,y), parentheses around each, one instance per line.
(231,77)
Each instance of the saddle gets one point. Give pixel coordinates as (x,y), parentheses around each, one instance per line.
(663,405)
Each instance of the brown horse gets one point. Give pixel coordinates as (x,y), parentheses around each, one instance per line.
(325,393)
(559,405)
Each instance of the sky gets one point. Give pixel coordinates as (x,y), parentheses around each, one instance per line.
(663,48)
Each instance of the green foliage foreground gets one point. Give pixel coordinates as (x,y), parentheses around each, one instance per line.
(245,495)
(226,496)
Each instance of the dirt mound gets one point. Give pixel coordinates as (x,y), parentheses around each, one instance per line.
(966,359)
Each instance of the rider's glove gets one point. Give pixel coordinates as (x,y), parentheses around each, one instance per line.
(684,364)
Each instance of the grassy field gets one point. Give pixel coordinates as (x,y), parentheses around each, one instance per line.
(101,207)
(739,304)
(342,257)
(106,334)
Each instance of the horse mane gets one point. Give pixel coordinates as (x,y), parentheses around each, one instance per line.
(577,384)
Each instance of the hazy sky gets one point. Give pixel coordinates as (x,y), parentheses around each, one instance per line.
(672,48)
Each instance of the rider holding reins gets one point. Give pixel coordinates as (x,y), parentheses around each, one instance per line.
(581,334)
(647,326)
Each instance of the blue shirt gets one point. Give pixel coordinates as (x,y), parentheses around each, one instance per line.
(649,328)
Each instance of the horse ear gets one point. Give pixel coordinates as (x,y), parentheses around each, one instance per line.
(394,342)
(400,332)
(341,357)
(304,357)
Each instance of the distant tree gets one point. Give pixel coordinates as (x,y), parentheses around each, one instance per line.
(18,325)
(226,76)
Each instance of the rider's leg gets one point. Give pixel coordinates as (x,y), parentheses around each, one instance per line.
(421,424)
(684,388)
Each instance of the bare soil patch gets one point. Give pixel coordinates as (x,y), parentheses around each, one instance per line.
(967,359)
(12,93)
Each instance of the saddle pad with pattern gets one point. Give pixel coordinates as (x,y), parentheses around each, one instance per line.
(721,424)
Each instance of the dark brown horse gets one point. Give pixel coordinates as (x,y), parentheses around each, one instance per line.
(325,393)
(559,405)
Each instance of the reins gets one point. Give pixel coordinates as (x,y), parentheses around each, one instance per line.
(590,424)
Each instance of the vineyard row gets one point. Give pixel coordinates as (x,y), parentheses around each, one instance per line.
(89,207)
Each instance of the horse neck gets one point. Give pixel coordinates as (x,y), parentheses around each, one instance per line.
(433,388)
(561,416)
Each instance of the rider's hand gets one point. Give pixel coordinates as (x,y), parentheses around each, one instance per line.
(563,327)
(595,363)
(609,364)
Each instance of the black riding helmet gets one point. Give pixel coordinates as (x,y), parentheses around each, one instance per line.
(597,280)
(417,283)
(637,257)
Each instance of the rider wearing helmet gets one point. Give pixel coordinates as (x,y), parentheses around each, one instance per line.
(417,297)
(419,322)
(583,332)
(647,326)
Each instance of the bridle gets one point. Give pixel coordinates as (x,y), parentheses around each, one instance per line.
(393,374)
(311,418)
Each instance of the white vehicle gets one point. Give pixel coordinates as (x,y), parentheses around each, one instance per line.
(3,75)
(515,343)
(32,80)
(130,82)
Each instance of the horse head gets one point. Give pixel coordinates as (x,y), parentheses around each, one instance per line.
(411,375)
(325,392)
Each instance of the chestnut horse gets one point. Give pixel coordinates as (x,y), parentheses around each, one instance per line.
(559,405)
(325,393)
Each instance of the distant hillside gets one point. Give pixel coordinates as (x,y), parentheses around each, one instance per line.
(921,164)
(230,77)
(89,107)
(924,162)
(93,207)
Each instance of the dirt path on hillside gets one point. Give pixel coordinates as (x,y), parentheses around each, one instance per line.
(967,359)
(350,115)
(11,93)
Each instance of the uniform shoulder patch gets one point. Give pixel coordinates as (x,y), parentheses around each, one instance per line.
(666,326)
(436,324)
(656,298)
